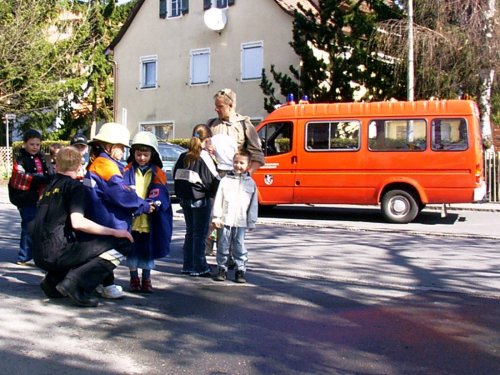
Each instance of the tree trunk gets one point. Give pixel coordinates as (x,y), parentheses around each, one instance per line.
(487,72)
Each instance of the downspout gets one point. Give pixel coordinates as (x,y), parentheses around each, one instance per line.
(115,88)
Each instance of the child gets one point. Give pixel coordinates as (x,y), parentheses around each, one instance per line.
(29,177)
(111,202)
(196,181)
(152,233)
(51,163)
(80,142)
(235,209)
(74,266)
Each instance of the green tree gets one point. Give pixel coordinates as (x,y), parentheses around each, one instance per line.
(95,95)
(35,59)
(456,49)
(52,60)
(338,63)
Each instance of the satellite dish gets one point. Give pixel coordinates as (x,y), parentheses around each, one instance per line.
(215,19)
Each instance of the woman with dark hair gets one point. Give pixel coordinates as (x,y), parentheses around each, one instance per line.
(196,181)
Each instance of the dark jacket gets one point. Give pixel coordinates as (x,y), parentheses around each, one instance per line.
(29,177)
(161,219)
(110,201)
(197,181)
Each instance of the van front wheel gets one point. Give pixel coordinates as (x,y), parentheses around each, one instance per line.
(399,206)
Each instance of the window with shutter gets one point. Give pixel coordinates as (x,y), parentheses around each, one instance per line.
(176,8)
(163,8)
(200,66)
(148,72)
(221,4)
(252,60)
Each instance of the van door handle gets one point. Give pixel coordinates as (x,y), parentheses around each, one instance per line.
(294,159)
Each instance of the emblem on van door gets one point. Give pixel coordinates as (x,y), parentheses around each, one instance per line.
(268,179)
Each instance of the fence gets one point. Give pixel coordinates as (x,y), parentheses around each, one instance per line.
(491,174)
(491,171)
(5,162)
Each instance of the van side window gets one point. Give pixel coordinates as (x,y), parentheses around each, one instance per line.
(332,135)
(449,134)
(276,138)
(397,135)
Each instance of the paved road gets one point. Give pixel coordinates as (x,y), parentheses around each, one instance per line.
(320,300)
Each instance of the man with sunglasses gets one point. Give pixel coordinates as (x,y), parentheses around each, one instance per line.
(231,132)
(237,127)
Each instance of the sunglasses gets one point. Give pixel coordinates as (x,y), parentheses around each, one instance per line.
(224,93)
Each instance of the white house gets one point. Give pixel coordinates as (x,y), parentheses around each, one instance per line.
(171,56)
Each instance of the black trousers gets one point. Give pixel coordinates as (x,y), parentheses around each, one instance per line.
(81,263)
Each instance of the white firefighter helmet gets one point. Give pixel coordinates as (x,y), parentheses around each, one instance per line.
(114,133)
(147,139)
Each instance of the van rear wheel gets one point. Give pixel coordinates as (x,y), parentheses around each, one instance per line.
(399,206)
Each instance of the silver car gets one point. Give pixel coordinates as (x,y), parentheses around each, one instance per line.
(169,153)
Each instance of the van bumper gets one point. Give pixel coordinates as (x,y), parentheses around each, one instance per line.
(480,192)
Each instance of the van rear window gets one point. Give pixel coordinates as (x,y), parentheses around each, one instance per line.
(449,134)
(332,135)
(397,135)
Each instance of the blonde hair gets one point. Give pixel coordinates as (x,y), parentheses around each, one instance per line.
(68,159)
(200,133)
(228,96)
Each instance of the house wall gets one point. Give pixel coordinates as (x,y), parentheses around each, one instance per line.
(172,39)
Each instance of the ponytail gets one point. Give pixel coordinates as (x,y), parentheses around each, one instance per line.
(200,133)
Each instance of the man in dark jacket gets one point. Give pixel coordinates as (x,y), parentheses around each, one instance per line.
(75,264)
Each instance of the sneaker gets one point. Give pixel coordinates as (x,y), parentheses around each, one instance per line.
(221,275)
(135,285)
(21,263)
(201,274)
(239,277)
(147,286)
(111,291)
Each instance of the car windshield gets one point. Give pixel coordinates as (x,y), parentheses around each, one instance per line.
(170,152)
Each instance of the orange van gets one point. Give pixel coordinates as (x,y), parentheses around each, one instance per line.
(401,155)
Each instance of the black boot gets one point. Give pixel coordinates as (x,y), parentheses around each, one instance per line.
(49,289)
(70,289)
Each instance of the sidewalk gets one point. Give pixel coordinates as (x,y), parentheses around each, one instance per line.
(486,207)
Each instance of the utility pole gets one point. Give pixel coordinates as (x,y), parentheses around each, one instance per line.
(8,117)
(411,69)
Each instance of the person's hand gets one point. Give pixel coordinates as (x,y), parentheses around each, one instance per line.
(210,148)
(217,223)
(250,229)
(122,233)
(152,207)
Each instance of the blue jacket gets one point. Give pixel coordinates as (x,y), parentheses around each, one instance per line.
(110,201)
(161,219)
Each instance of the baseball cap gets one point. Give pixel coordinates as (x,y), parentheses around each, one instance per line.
(78,139)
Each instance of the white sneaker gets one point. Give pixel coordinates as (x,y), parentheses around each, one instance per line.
(110,291)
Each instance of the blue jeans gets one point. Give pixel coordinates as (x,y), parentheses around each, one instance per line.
(233,237)
(197,217)
(27,215)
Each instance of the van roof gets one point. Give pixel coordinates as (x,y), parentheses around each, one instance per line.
(387,108)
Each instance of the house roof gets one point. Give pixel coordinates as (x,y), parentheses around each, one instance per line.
(290,5)
(125,26)
(287,5)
